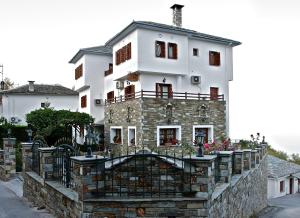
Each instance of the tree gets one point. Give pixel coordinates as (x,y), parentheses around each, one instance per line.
(8,84)
(295,158)
(46,121)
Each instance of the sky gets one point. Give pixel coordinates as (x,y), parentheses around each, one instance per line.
(39,37)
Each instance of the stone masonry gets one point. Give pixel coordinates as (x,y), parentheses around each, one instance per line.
(148,113)
(8,167)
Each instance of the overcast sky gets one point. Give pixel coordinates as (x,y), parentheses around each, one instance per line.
(39,37)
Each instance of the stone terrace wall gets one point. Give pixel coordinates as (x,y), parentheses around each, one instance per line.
(244,196)
(8,154)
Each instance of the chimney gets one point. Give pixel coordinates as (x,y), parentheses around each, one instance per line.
(31,86)
(177,15)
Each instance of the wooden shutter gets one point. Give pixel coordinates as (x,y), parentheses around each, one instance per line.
(128,51)
(214,93)
(83,101)
(175,52)
(170,91)
(214,58)
(163,50)
(117,57)
(78,72)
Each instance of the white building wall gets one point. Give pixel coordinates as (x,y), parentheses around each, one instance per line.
(274,187)
(20,105)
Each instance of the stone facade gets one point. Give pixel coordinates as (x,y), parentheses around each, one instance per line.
(236,192)
(8,166)
(148,113)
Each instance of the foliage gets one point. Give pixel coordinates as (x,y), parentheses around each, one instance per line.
(280,154)
(47,122)
(19,161)
(295,158)
(8,84)
(17,132)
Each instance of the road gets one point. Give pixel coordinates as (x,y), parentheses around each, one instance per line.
(12,206)
(287,206)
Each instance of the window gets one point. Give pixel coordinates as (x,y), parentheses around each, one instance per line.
(172,51)
(168,135)
(195,51)
(123,54)
(131,135)
(214,58)
(160,49)
(214,93)
(129,92)
(78,72)
(109,71)
(164,90)
(110,96)
(83,101)
(282,186)
(116,134)
(207,130)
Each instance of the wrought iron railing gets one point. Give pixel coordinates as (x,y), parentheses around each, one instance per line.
(143,174)
(164,95)
(35,157)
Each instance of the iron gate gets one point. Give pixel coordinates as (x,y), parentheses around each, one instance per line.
(35,158)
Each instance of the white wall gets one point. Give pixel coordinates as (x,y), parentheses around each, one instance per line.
(274,187)
(93,77)
(20,105)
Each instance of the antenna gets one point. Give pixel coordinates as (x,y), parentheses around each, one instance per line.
(1,66)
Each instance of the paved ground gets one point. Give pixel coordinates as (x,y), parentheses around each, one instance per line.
(287,207)
(12,205)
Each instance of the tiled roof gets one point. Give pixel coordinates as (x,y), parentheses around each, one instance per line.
(98,50)
(169,29)
(41,89)
(279,168)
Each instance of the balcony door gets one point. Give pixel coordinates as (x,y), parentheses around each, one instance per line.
(164,90)
(214,93)
(129,92)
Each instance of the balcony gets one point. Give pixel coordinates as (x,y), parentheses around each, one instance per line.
(165,95)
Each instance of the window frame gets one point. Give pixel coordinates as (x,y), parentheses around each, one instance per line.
(178,134)
(78,71)
(210,132)
(162,45)
(174,48)
(112,135)
(282,186)
(131,128)
(215,58)
(110,99)
(197,52)
(83,101)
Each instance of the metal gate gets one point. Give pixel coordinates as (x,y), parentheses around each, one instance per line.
(35,158)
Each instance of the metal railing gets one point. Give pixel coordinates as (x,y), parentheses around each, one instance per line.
(164,95)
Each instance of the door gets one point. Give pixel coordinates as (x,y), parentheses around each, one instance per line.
(164,90)
(291,185)
(129,92)
(214,93)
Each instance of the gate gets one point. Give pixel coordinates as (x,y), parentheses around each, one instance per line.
(35,159)
(63,165)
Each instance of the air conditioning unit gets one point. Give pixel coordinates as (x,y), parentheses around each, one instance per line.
(120,85)
(196,79)
(98,101)
(15,120)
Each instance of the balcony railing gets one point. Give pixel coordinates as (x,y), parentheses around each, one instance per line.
(164,95)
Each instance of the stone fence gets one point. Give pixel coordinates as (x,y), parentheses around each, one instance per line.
(146,184)
(8,159)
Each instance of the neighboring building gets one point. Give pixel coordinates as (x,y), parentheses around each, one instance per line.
(283,177)
(17,102)
(91,65)
(164,84)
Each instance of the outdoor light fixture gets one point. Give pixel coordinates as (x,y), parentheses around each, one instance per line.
(88,142)
(9,132)
(199,142)
(164,80)
(29,133)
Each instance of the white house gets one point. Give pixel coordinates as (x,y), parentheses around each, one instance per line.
(283,177)
(17,102)
(158,59)
(90,65)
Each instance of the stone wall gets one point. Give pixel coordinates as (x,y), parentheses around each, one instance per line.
(148,113)
(60,201)
(8,167)
(217,186)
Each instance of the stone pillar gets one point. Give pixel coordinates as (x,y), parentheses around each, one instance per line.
(9,160)
(26,156)
(253,158)
(202,175)
(238,162)
(88,176)
(46,162)
(1,157)
(247,159)
(225,166)
(264,147)
(258,157)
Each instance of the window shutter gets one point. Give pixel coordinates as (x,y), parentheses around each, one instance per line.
(128,51)
(175,51)
(163,50)
(124,50)
(83,101)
